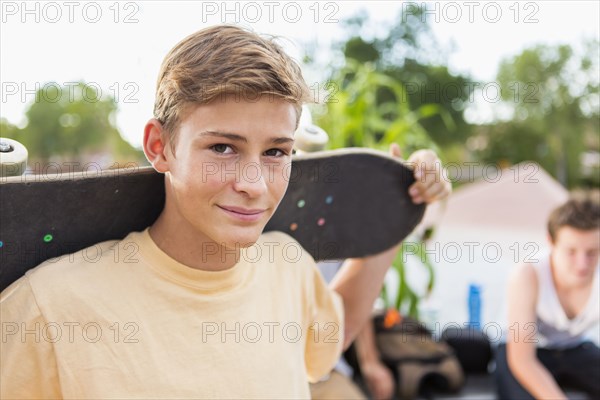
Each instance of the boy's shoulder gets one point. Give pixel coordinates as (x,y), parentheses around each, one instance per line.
(523,287)
(101,267)
(85,265)
(529,273)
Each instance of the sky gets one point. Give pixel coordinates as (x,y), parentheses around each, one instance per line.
(118,46)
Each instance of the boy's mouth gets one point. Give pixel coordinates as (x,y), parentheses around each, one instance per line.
(244,214)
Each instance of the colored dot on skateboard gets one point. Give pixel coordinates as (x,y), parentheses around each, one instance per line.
(301,203)
(293,226)
(329,199)
(321,221)
(48,238)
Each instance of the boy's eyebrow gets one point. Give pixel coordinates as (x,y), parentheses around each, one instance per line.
(240,138)
(231,136)
(282,140)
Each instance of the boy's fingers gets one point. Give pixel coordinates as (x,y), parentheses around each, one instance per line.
(428,192)
(424,156)
(424,163)
(434,192)
(425,189)
(430,184)
(395,150)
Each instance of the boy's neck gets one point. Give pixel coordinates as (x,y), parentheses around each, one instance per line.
(189,247)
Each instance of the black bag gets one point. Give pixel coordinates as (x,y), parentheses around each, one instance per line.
(471,346)
(416,358)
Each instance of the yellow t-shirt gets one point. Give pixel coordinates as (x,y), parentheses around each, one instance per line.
(122,319)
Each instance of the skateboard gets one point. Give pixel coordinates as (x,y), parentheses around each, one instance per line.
(339,204)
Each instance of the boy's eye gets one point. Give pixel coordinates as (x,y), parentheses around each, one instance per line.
(221,148)
(275,153)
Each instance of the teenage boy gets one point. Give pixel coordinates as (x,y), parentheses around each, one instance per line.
(202,304)
(552,305)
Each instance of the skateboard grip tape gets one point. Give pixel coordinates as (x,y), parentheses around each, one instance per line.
(345,203)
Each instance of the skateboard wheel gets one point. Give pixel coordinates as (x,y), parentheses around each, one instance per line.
(13,157)
(310,138)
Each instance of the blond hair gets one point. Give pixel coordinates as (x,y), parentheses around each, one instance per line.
(225,60)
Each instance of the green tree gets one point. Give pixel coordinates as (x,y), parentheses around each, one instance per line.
(410,54)
(7,129)
(356,116)
(552,93)
(72,124)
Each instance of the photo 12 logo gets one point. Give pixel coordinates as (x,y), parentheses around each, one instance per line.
(69,92)
(70,332)
(268,332)
(53,12)
(271,11)
(471,11)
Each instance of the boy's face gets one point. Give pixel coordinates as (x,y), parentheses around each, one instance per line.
(231,167)
(575,255)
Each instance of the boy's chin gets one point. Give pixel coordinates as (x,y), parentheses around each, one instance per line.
(242,241)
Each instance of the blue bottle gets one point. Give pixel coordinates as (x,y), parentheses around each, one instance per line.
(475,306)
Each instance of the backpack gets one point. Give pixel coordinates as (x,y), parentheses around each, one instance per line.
(416,358)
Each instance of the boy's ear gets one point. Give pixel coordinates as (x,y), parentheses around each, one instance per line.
(155,145)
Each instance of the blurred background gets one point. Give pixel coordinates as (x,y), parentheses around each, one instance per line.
(505,92)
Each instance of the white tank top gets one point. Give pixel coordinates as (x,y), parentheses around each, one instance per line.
(555,329)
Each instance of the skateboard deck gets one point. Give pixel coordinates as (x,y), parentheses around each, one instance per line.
(339,204)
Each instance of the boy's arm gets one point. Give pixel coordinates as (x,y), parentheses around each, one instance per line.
(359,280)
(378,377)
(520,352)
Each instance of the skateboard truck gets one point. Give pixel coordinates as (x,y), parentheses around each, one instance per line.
(13,158)
(5,147)
(309,137)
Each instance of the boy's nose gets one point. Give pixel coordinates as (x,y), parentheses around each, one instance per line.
(250,180)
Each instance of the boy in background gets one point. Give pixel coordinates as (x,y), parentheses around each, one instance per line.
(552,305)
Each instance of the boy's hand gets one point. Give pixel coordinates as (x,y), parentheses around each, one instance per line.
(379,380)
(430,185)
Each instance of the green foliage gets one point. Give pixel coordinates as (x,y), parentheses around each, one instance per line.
(355,115)
(407,299)
(552,92)
(410,54)
(407,39)
(356,48)
(406,294)
(8,130)
(434,84)
(74,124)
